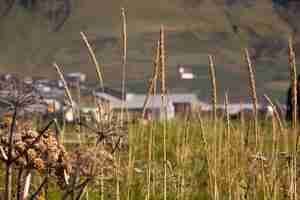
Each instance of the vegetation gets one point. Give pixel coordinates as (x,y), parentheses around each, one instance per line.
(203,162)
(197,156)
(56,11)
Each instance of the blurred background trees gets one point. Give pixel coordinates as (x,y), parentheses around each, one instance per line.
(56,11)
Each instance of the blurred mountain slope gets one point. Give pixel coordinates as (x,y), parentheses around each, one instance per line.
(195,28)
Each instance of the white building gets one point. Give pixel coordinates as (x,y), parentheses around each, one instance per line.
(185,73)
(81,77)
(175,103)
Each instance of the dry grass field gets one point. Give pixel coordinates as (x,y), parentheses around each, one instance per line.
(195,156)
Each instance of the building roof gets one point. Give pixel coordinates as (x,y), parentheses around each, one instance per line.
(137,100)
(184,98)
(114,101)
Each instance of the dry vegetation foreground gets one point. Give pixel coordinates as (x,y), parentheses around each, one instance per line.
(193,157)
(205,160)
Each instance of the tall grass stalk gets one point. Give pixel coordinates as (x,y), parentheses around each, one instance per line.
(295,176)
(212,75)
(79,114)
(131,161)
(254,96)
(68,93)
(118,161)
(102,184)
(178,160)
(242,117)
(154,126)
(153,80)
(277,127)
(153,184)
(8,163)
(293,79)
(164,104)
(228,146)
(94,58)
(186,151)
(208,157)
(151,92)
(149,171)
(69,96)
(27,185)
(124,60)
(274,185)
(275,113)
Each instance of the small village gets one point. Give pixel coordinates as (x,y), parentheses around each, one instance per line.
(89,96)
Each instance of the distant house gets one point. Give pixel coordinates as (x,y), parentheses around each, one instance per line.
(185,72)
(28,80)
(52,96)
(75,78)
(77,75)
(109,99)
(185,103)
(53,105)
(236,107)
(37,109)
(176,104)
(155,110)
(109,95)
(111,91)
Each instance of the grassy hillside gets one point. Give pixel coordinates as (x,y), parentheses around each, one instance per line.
(194,29)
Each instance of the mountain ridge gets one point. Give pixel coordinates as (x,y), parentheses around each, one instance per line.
(194,29)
